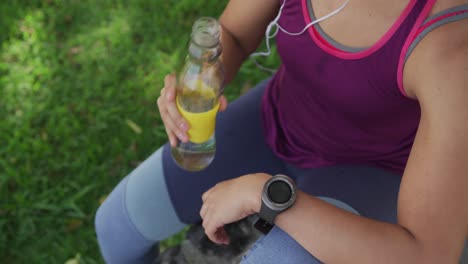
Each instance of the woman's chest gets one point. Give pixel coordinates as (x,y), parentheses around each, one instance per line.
(361,23)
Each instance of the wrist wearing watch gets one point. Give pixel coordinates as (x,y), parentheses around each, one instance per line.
(279,194)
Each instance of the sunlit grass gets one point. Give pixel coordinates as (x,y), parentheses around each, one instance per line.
(71,74)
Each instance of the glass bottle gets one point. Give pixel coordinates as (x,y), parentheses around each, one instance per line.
(199,86)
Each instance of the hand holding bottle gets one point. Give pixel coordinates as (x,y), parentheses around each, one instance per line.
(189,103)
(175,125)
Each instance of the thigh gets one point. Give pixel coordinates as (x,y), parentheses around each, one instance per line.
(278,247)
(241,149)
(372,192)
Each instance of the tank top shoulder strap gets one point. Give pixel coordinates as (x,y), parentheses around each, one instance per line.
(435,21)
(418,20)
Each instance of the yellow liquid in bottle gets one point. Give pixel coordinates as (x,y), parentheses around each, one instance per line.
(198,105)
(197,97)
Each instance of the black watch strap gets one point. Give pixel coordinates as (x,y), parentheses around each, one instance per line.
(267,214)
(263,226)
(269,209)
(266,218)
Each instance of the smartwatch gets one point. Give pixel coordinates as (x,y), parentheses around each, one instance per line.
(279,193)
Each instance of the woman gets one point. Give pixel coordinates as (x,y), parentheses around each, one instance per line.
(367,114)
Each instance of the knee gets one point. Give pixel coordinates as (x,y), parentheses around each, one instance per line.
(103,228)
(106,225)
(118,239)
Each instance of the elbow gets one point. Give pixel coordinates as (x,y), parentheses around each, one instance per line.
(441,254)
(430,249)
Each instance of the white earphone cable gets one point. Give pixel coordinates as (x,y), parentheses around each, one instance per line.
(273,23)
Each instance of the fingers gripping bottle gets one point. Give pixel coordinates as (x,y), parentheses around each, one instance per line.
(199,87)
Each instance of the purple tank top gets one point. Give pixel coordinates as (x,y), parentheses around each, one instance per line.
(326,106)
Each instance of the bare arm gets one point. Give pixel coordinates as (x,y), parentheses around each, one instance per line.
(243,26)
(433,200)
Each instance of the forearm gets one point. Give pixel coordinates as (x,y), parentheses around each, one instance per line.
(233,54)
(336,236)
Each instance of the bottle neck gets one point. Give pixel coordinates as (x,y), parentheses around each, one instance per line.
(205,44)
(204,54)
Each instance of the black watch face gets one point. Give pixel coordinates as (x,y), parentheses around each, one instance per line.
(279,192)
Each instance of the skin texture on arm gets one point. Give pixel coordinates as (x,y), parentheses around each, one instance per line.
(435,185)
(243,30)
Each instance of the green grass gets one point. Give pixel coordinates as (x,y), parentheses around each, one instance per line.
(73,75)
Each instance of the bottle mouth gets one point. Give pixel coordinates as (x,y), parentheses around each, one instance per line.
(206,32)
